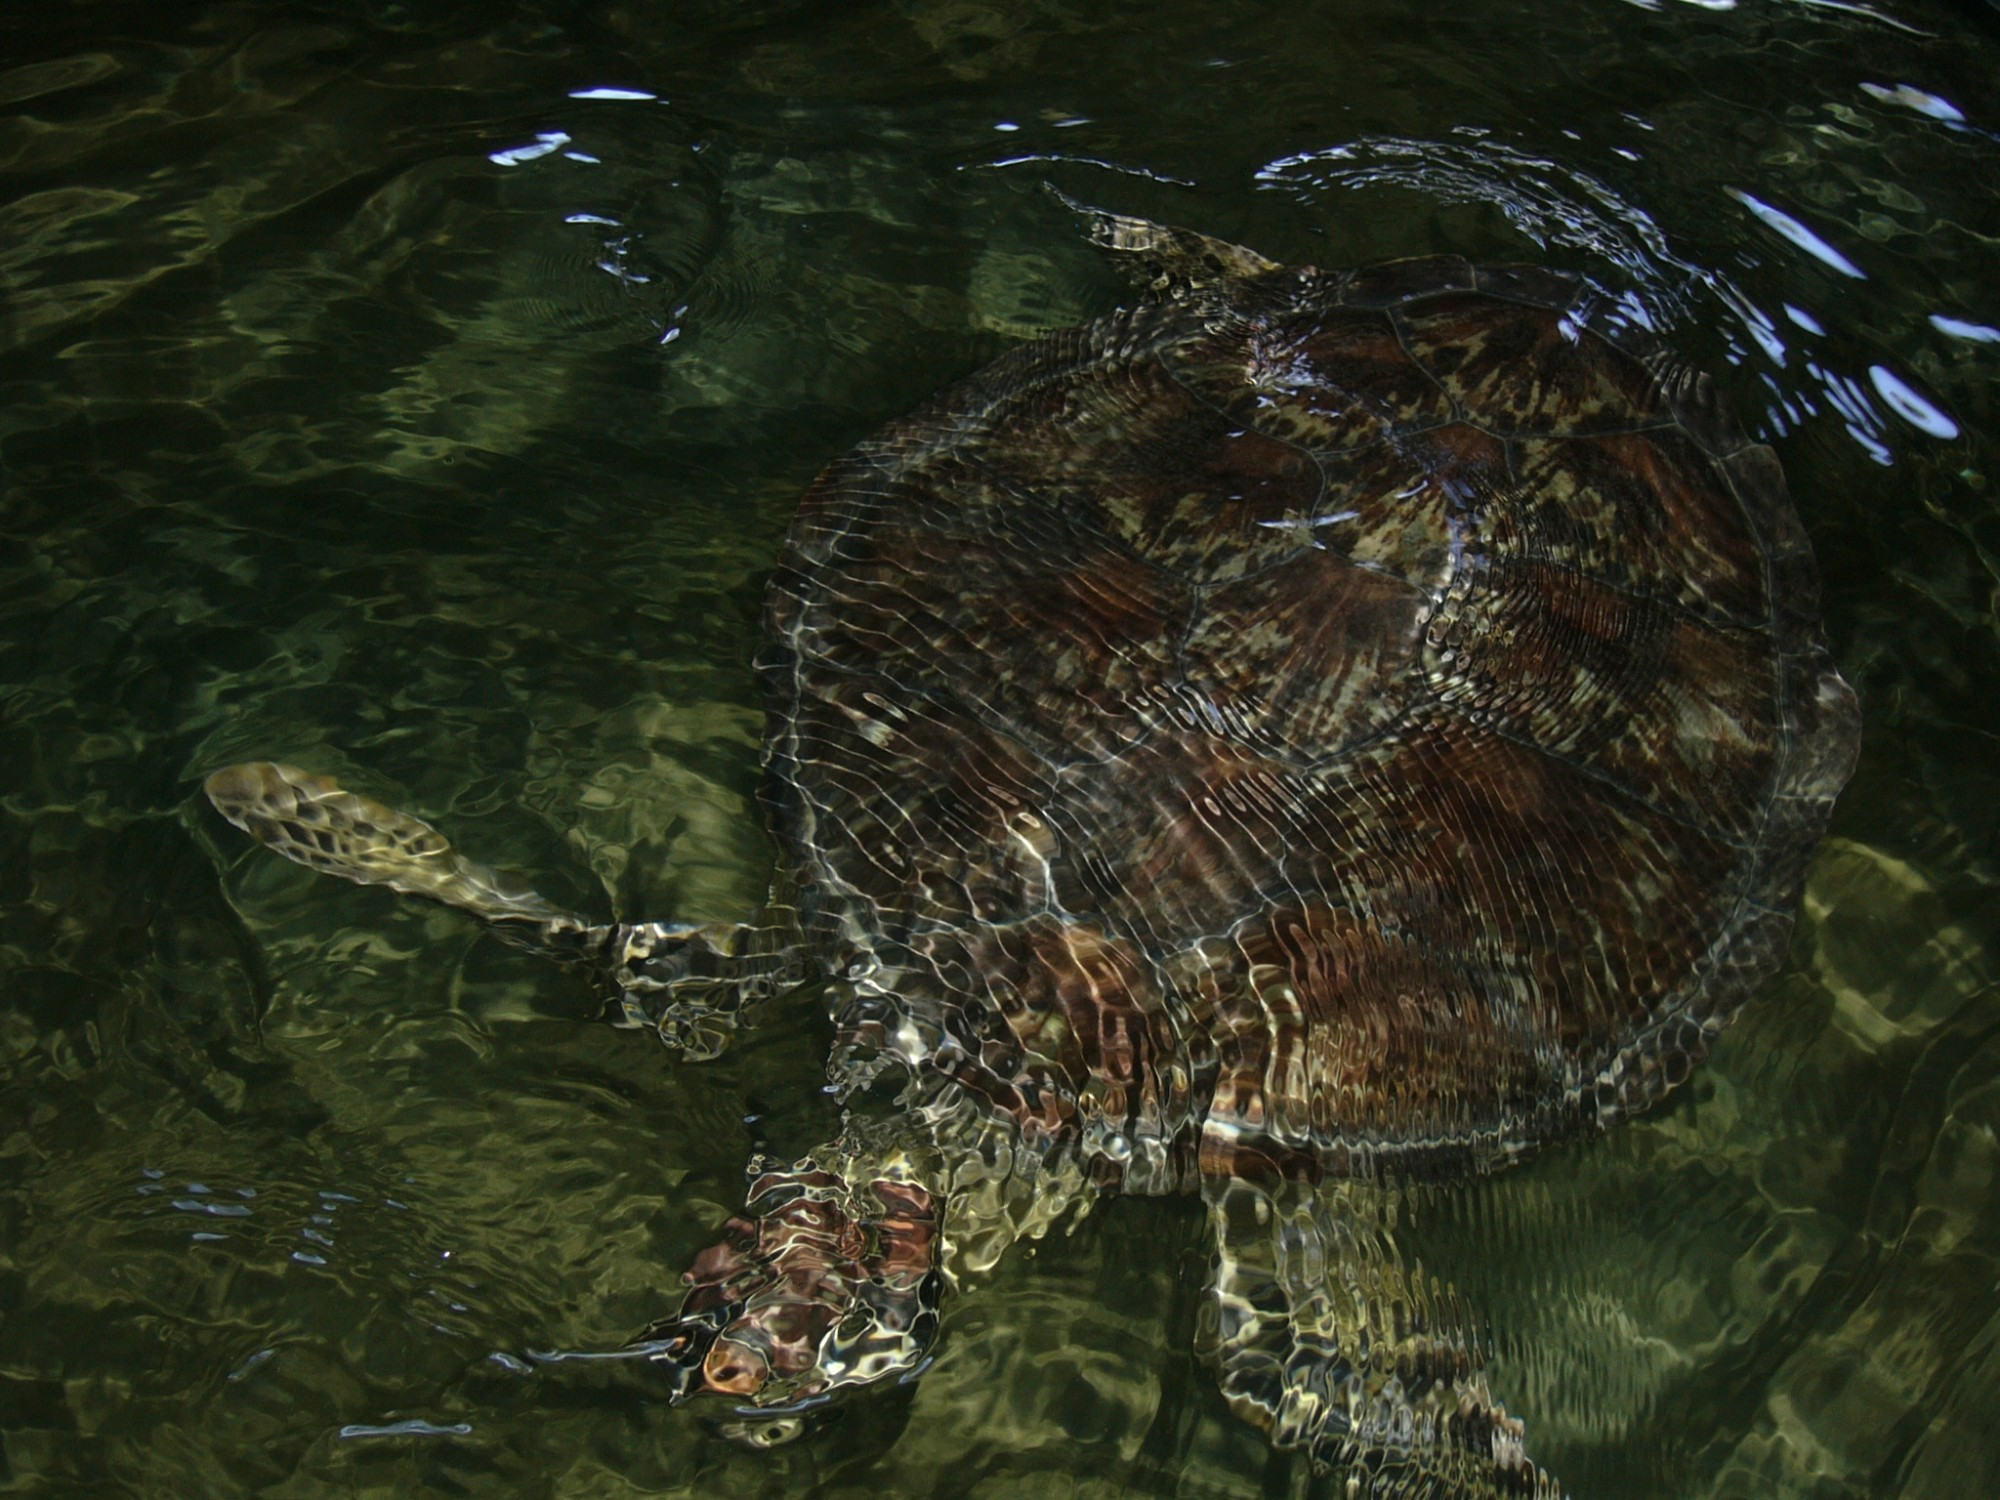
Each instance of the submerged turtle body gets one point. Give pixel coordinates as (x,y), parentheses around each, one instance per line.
(1338,721)
(1309,731)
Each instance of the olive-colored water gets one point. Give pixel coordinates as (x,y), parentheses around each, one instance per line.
(383,395)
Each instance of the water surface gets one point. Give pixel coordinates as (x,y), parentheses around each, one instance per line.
(422,397)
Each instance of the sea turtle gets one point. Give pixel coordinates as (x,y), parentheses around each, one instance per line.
(1309,732)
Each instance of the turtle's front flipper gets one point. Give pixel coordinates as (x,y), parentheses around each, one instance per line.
(833,1274)
(1323,1336)
(689,981)
(829,1278)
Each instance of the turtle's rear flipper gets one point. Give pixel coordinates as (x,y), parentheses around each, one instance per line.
(1324,1337)
(1165,260)
(689,981)
(320,824)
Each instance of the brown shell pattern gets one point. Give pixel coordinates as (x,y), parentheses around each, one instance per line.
(1346,723)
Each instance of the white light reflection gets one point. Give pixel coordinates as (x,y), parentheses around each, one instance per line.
(1958,328)
(1846,395)
(1850,401)
(634,94)
(1798,234)
(410,1427)
(1908,405)
(1871,445)
(1755,322)
(1917,99)
(1866,13)
(546,141)
(1070,158)
(1805,320)
(1635,311)
(1789,409)
(1554,204)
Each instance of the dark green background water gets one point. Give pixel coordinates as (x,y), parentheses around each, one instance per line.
(338,428)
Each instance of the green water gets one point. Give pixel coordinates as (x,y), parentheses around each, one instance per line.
(376,401)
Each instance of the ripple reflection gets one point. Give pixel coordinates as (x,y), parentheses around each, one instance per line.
(1648,280)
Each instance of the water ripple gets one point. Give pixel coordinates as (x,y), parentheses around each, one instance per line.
(1645,277)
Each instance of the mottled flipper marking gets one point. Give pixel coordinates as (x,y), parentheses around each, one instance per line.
(829,1278)
(688,981)
(1164,260)
(833,1273)
(1322,1335)
(318,823)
